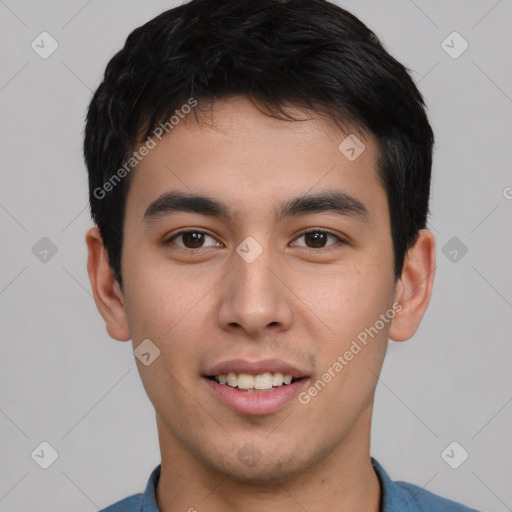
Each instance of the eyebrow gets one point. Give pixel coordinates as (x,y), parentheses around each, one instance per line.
(329,201)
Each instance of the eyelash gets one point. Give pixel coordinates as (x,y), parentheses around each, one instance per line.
(313,230)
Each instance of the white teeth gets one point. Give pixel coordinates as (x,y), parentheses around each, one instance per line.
(277,380)
(232,379)
(263,381)
(247,381)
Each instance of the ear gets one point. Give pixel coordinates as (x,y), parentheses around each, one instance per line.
(414,288)
(106,290)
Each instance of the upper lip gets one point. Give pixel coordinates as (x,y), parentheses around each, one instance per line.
(255,368)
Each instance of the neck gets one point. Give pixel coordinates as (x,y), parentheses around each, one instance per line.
(343,479)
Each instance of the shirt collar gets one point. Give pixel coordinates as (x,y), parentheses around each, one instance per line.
(392,496)
(148,501)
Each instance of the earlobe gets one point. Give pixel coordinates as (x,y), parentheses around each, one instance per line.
(414,288)
(107,293)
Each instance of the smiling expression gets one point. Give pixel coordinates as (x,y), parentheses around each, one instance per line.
(254,248)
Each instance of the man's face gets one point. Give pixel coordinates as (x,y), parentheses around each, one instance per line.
(256,295)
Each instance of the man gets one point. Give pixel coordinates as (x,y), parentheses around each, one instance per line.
(259,174)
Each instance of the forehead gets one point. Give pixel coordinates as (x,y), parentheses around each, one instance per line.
(251,161)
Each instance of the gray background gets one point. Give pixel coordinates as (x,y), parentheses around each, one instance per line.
(64,381)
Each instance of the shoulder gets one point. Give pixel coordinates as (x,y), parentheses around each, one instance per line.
(421,500)
(129,504)
(142,501)
(400,496)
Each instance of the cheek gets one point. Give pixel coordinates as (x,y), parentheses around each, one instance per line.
(352,306)
(155,299)
(349,297)
(168,312)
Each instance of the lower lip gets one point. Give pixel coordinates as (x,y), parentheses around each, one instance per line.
(256,403)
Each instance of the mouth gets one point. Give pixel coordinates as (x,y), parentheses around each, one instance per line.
(247,383)
(255,388)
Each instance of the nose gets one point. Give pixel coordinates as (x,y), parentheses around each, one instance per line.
(253,299)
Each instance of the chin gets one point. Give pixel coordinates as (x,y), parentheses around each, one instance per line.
(263,465)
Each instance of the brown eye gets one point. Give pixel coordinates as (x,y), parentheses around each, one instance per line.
(317,239)
(191,239)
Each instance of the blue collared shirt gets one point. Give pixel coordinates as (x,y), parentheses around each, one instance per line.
(396,497)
